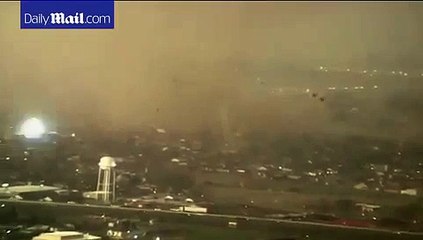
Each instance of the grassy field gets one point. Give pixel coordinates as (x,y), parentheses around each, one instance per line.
(292,201)
(213,233)
(201,227)
(288,194)
(202,232)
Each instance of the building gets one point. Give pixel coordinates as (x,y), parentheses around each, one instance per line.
(410,192)
(30,192)
(379,167)
(65,235)
(14,190)
(367,207)
(192,208)
(361,186)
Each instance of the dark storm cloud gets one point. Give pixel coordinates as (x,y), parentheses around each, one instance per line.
(190,60)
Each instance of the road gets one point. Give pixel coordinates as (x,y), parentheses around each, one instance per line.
(209,216)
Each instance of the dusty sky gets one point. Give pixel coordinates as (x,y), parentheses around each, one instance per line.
(178,64)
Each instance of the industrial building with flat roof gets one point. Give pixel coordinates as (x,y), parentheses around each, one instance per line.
(65,235)
(28,192)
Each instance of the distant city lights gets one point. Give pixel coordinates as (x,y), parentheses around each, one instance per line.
(369,72)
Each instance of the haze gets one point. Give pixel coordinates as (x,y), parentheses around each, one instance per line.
(179,65)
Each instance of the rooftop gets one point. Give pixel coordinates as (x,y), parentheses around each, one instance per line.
(27,188)
(65,235)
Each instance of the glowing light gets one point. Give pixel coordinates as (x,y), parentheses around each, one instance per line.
(33,128)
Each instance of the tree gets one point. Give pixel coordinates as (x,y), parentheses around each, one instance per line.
(8,214)
(346,206)
(324,205)
(412,211)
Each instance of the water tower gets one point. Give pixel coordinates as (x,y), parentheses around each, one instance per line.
(106,183)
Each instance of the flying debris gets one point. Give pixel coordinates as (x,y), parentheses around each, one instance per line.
(260,81)
(160,130)
(315,95)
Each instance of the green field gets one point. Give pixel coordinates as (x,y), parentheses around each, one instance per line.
(213,233)
(295,201)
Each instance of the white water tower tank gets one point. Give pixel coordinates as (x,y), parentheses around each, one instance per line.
(107,163)
(106,182)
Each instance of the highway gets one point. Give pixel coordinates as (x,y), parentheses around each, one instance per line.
(203,216)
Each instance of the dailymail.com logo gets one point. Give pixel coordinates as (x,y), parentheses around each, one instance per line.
(65,14)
